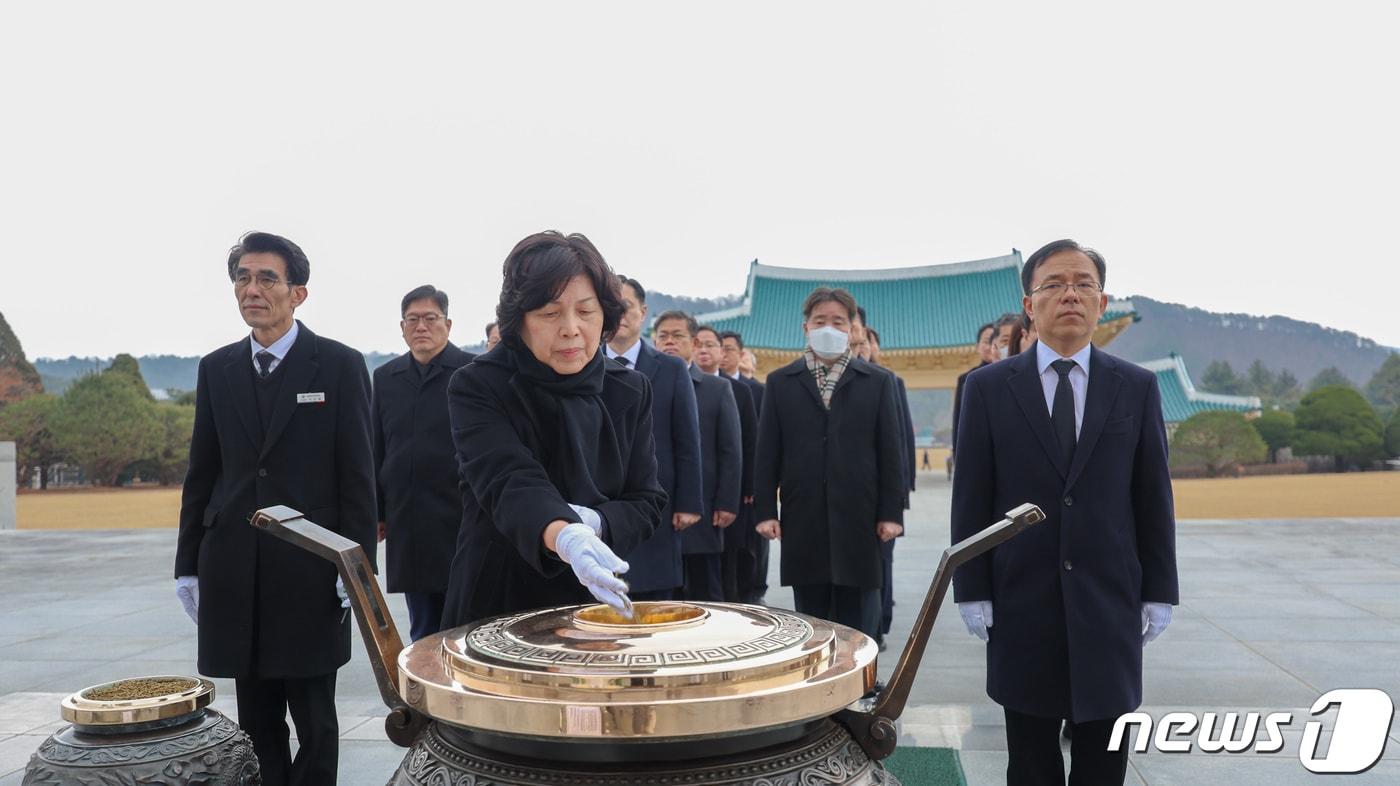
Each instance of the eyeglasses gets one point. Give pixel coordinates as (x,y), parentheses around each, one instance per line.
(265,281)
(429,320)
(1059,288)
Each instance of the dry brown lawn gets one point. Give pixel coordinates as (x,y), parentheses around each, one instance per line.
(1353,494)
(1274,497)
(99,508)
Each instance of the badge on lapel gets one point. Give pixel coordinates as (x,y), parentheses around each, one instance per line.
(311,398)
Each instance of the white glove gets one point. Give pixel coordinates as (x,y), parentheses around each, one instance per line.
(341,593)
(594,564)
(977,616)
(1155,619)
(187,590)
(591,517)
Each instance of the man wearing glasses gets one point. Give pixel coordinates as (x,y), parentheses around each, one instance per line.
(415,466)
(1067,606)
(282,417)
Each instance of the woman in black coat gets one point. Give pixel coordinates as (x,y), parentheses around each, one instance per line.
(554,443)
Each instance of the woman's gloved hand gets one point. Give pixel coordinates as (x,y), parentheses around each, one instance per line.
(594,564)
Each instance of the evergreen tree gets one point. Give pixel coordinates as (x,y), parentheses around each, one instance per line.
(27,423)
(1336,421)
(1220,378)
(1277,428)
(1217,440)
(1330,376)
(1384,388)
(104,423)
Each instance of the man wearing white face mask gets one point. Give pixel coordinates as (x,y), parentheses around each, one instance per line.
(829,438)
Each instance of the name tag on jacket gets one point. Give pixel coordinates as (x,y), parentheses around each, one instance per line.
(311,398)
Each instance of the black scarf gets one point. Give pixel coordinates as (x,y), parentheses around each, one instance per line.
(576,442)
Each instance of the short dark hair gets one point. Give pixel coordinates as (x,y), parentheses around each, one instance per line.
(298,266)
(828,295)
(1009,318)
(734,334)
(989,326)
(425,292)
(636,287)
(489,325)
(710,328)
(538,269)
(872,334)
(691,326)
(1051,249)
(864,320)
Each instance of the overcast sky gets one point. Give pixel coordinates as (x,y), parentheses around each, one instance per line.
(1236,156)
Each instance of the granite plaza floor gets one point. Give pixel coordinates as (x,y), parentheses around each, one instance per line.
(1273,614)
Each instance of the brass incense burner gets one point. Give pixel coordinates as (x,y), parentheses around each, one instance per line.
(680,694)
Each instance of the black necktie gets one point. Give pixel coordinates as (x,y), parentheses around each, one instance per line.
(1062,411)
(264,359)
(624,361)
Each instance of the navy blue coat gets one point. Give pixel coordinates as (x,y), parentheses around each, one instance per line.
(1066,638)
(656,562)
(269,608)
(722,460)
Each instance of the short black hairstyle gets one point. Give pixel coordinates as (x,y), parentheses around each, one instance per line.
(489,325)
(1051,249)
(734,334)
(691,326)
(872,334)
(828,295)
(298,266)
(860,312)
(1009,318)
(538,269)
(636,287)
(425,292)
(989,326)
(712,329)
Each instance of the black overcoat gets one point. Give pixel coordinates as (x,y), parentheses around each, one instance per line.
(508,497)
(656,562)
(721,461)
(740,534)
(268,608)
(416,470)
(841,472)
(1066,637)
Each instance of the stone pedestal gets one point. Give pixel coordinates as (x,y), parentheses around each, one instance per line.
(7,485)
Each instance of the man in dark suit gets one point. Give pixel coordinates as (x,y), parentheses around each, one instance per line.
(420,508)
(709,358)
(721,457)
(906,425)
(829,438)
(281,418)
(657,570)
(986,355)
(752,568)
(1067,606)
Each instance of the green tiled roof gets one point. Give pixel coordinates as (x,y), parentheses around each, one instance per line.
(934,306)
(1181,400)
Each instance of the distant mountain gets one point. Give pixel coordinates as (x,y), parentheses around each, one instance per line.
(1201,337)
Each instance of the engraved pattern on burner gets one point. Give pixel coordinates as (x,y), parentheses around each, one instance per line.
(494,640)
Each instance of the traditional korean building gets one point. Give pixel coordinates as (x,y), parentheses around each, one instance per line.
(927,316)
(1181,400)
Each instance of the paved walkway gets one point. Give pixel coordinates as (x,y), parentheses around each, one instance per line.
(1274,614)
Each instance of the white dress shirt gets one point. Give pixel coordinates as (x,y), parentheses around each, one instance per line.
(632,353)
(1078,378)
(279,349)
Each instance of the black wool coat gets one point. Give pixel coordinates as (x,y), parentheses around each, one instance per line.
(415,467)
(1067,594)
(508,496)
(268,608)
(721,461)
(840,471)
